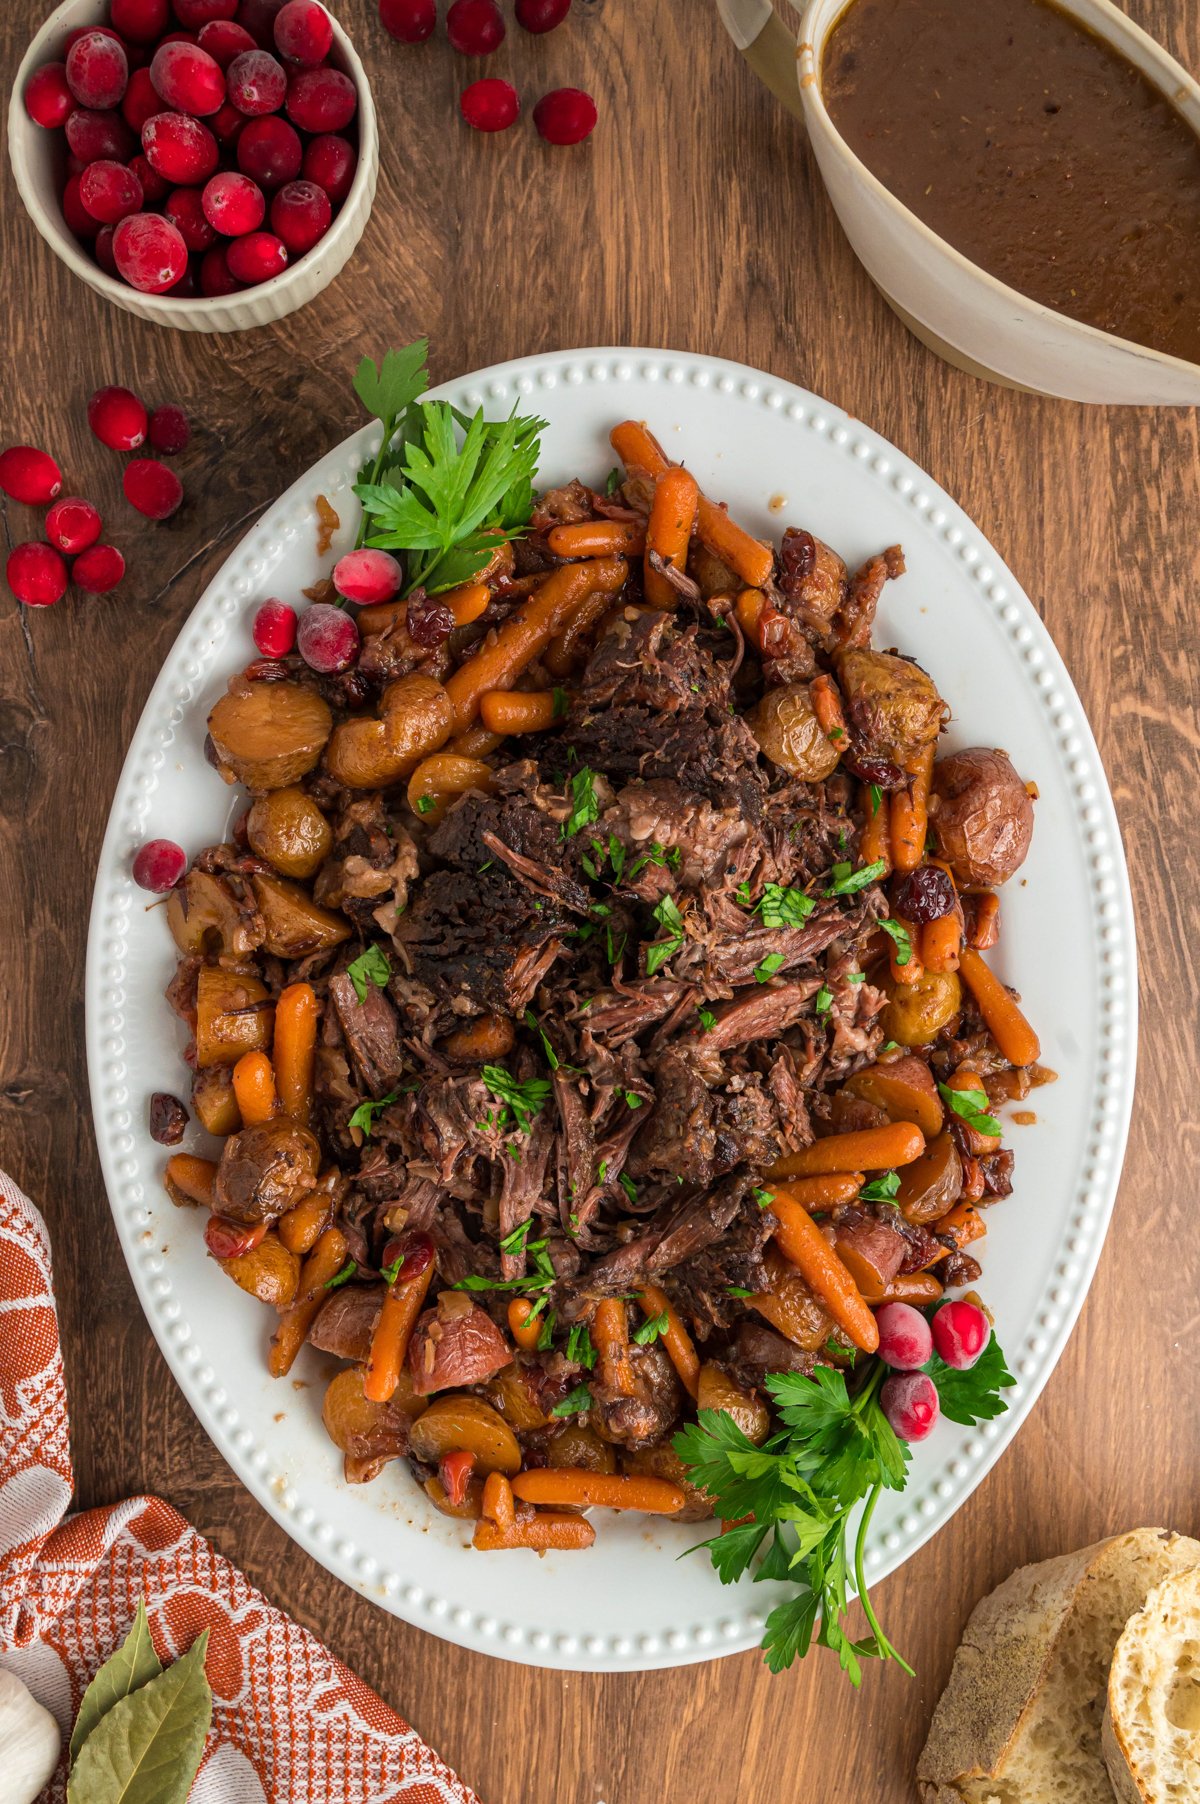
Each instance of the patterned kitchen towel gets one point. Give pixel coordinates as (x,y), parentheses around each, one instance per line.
(291,1725)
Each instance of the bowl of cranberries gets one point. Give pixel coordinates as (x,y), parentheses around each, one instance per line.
(206,164)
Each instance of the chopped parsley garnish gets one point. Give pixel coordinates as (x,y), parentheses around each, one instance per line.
(743,894)
(370,966)
(342,1277)
(707,1020)
(545,1339)
(881,1189)
(846,881)
(584,807)
(972,1107)
(574,1401)
(579,1347)
(521,1101)
(651,1329)
(736,1290)
(768,968)
(515,1242)
(602,1171)
(823,1001)
(558,698)
(613,480)
(901,939)
(667,915)
(552,1058)
(389,1273)
(364,1116)
(633,1100)
(425,804)
(780,907)
(764,1198)
(876,798)
(538,1280)
(628,1186)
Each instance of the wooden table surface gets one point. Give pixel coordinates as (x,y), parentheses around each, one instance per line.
(693,219)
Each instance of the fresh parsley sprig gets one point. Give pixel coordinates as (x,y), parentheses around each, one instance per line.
(846,881)
(363,1117)
(370,966)
(971,1106)
(520,1101)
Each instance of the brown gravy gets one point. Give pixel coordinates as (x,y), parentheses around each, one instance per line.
(1032,148)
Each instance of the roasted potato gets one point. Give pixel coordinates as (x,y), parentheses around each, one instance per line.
(814,576)
(469,1510)
(265,1169)
(269,734)
(792,1306)
(575,1444)
(206,918)
(288,829)
(789,734)
(664,1462)
(460,1423)
(915,1013)
(214,1103)
(982,816)
(904,1090)
(229,1018)
(268,1271)
(510,1392)
(456,1344)
(415,718)
(295,925)
(369,1434)
(892,705)
(717,1390)
(933,1183)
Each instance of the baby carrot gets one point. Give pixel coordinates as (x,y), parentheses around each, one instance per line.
(941,941)
(254,1087)
(910,815)
(1005,1022)
(598,538)
(748,558)
(521,710)
(498,1500)
(295,1050)
(802,1243)
(579,1488)
(872,1149)
(542,1533)
(523,1325)
(669,531)
(676,1341)
(876,840)
(822,1192)
(393,1331)
(323,1263)
(610,1335)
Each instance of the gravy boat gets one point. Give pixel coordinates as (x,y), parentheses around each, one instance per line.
(967,316)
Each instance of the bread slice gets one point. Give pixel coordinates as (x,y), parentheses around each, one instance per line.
(1019,1721)
(1151,1734)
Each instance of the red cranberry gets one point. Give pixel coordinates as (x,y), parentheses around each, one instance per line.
(150,252)
(78,219)
(186,212)
(224,40)
(257,83)
(909,1400)
(475,27)
(258,17)
(170,429)
(48,99)
(109,191)
(490,105)
(155,187)
(118,418)
(72,524)
(409,1255)
(192,14)
(180,37)
(329,161)
(215,279)
(905,1342)
(159,865)
(97,70)
(92,135)
(142,100)
(961,1331)
(274,629)
(300,215)
(269,151)
(565,116)
(367,576)
(85,31)
(180,148)
(168,1119)
(541,15)
(257,257)
(103,250)
(98,570)
(409,21)
(36,574)
(150,487)
(188,284)
(233,204)
(141,21)
(227,124)
(303,33)
(188,78)
(327,639)
(29,475)
(321,100)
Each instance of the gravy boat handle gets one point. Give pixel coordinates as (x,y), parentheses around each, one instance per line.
(767,45)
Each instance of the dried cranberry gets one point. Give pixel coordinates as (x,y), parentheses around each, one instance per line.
(997,1172)
(798,556)
(429,621)
(415,1252)
(869,769)
(230,1239)
(265,670)
(168,1118)
(925,895)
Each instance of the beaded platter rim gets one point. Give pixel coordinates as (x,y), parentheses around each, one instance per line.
(201,652)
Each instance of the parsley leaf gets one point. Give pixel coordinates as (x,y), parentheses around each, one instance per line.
(780,907)
(768,968)
(764,1198)
(575,1401)
(364,1116)
(425,804)
(545,1339)
(584,807)
(974,1395)
(847,881)
(901,939)
(613,480)
(881,1189)
(876,798)
(628,1186)
(580,1348)
(823,1001)
(388,389)
(342,1277)
(370,967)
(651,1329)
(743,895)
(667,914)
(707,1020)
(515,1242)
(972,1107)
(521,1101)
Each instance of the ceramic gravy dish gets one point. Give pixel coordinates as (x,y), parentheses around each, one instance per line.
(967,316)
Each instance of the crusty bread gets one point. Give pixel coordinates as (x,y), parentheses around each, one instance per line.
(1019,1721)
(1151,1734)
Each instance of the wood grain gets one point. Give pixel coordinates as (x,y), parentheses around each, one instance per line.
(693,219)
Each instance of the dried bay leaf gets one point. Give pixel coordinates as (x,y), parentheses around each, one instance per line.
(147,1748)
(133,1665)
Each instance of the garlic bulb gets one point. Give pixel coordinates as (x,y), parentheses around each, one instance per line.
(29,1741)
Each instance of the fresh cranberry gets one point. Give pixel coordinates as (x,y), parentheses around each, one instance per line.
(224,40)
(300,215)
(109,191)
(961,1331)
(48,99)
(36,574)
(541,15)
(142,100)
(227,124)
(98,570)
(29,475)
(78,219)
(258,17)
(227,1239)
(97,70)
(188,284)
(150,252)
(367,576)
(475,27)
(233,204)
(490,105)
(92,135)
(168,1118)
(180,148)
(321,100)
(327,639)
(72,524)
(150,487)
(185,211)
(155,187)
(909,1400)
(85,31)
(257,257)
(118,419)
(141,21)
(270,152)
(454,1471)
(905,1342)
(193,14)
(409,21)
(180,37)
(258,84)
(565,116)
(303,33)
(103,251)
(409,1254)
(274,629)
(170,429)
(215,277)
(188,78)
(330,161)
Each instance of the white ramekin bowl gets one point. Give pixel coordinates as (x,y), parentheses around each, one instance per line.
(960,311)
(37,156)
